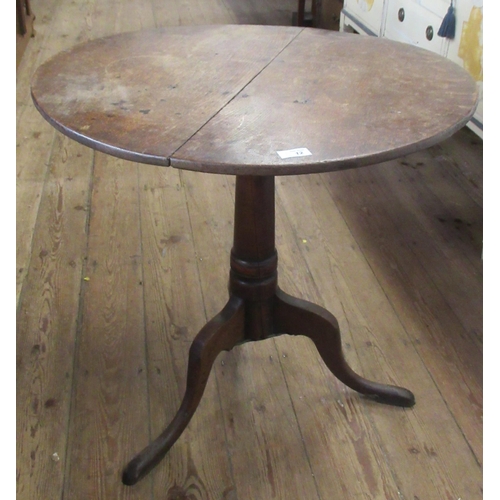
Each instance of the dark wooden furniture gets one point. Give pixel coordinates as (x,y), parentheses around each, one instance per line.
(255,102)
(24,27)
(303,18)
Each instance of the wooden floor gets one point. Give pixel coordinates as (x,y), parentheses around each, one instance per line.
(119,266)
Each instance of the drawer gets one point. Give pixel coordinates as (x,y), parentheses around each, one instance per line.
(365,12)
(411,22)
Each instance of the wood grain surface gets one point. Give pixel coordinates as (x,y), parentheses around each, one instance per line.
(226,99)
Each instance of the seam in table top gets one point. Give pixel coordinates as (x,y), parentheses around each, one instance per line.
(234,96)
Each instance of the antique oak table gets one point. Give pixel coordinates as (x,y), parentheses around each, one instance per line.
(255,102)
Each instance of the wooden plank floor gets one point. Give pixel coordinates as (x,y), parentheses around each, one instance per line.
(120,265)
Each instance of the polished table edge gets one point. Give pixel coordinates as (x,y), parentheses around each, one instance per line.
(287,167)
(176,156)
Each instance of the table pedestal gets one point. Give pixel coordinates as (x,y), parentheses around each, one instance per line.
(257,309)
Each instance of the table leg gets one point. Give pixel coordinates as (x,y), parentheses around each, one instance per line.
(257,309)
(222,333)
(298,317)
(301,13)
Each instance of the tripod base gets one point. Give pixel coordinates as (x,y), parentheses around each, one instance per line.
(257,309)
(290,315)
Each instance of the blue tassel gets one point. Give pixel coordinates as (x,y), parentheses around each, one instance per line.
(447,29)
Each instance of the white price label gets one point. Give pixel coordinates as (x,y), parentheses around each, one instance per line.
(293,153)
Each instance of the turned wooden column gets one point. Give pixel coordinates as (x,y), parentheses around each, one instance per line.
(254,260)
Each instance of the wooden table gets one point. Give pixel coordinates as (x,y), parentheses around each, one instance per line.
(255,102)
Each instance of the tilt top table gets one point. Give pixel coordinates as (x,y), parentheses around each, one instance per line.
(255,102)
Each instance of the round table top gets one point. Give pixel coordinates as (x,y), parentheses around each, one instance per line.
(253,100)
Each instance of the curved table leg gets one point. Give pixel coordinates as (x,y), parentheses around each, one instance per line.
(298,317)
(222,333)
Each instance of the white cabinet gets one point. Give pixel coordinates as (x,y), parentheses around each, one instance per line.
(417,22)
(365,16)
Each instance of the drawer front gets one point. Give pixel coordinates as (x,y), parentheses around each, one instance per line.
(367,12)
(438,7)
(411,22)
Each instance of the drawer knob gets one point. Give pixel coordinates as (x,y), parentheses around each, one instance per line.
(401,14)
(429,33)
